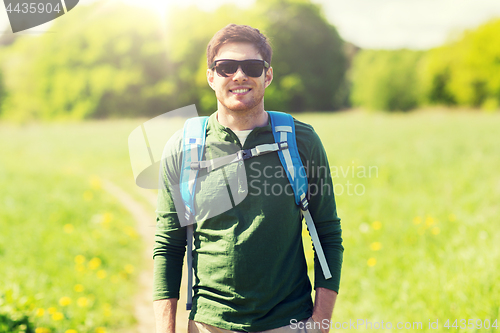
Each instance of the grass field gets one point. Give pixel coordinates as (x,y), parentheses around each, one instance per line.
(418,194)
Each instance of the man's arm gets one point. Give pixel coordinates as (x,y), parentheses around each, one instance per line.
(170,243)
(323,306)
(165,310)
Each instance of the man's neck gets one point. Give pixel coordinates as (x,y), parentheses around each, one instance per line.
(242,120)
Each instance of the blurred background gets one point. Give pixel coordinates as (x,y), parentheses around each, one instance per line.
(404,94)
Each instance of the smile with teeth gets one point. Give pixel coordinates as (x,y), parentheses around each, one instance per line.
(240,91)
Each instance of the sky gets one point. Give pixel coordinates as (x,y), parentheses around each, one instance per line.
(382,24)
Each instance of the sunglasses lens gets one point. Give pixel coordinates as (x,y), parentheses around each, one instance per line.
(226,68)
(252,68)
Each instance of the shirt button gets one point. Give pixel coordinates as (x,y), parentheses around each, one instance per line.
(240,163)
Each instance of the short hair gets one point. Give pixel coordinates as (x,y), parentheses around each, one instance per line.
(233,33)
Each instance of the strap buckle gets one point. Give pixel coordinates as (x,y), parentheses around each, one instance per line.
(245,154)
(195,165)
(304,204)
(283,145)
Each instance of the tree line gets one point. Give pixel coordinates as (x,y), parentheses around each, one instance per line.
(111,60)
(463,72)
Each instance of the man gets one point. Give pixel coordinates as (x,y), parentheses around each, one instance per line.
(251,274)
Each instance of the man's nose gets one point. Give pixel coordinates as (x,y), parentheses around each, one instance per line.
(239,75)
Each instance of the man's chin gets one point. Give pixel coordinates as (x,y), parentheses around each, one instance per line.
(241,107)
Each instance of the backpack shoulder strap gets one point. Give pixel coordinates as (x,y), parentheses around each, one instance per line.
(193,144)
(283,127)
(284,131)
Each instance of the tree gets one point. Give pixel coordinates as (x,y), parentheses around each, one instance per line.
(386,80)
(465,71)
(107,60)
(309,62)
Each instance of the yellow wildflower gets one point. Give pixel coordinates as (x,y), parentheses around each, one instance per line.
(82,302)
(79,259)
(95,182)
(52,310)
(107,310)
(57,316)
(64,301)
(39,312)
(107,218)
(429,221)
(101,274)
(94,263)
(129,269)
(42,330)
(375,246)
(435,230)
(79,288)
(371,262)
(100,330)
(377,225)
(68,228)
(71,331)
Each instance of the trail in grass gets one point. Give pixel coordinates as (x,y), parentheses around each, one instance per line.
(145,220)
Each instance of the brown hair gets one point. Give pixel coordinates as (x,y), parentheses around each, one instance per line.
(233,33)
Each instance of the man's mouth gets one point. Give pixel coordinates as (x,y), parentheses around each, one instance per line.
(240,91)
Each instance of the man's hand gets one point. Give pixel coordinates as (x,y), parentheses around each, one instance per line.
(323,307)
(165,310)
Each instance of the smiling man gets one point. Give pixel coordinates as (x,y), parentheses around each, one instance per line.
(250,268)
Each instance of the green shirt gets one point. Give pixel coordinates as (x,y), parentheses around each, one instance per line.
(250,269)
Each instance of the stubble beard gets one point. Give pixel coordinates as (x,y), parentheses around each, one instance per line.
(244,107)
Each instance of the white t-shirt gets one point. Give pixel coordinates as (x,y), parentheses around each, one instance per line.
(242,135)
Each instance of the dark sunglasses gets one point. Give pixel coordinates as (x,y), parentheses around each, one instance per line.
(227,67)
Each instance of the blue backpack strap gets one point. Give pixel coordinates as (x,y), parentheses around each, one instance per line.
(193,144)
(192,152)
(283,128)
(284,131)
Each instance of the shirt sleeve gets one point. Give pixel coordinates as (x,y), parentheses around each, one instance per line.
(170,236)
(322,206)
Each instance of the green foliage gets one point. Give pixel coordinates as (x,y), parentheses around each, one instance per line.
(309,62)
(14,311)
(386,80)
(436,232)
(436,235)
(112,60)
(111,63)
(69,252)
(465,72)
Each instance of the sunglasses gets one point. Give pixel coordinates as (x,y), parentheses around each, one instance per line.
(227,67)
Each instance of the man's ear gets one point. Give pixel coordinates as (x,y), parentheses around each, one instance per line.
(210,78)
(269,77)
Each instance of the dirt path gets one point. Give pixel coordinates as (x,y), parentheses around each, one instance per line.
(145,220)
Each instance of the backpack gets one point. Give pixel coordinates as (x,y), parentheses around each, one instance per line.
(285,145)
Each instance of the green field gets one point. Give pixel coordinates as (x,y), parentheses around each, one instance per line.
(418,195)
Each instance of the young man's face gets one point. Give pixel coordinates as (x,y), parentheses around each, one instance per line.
(239,92)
